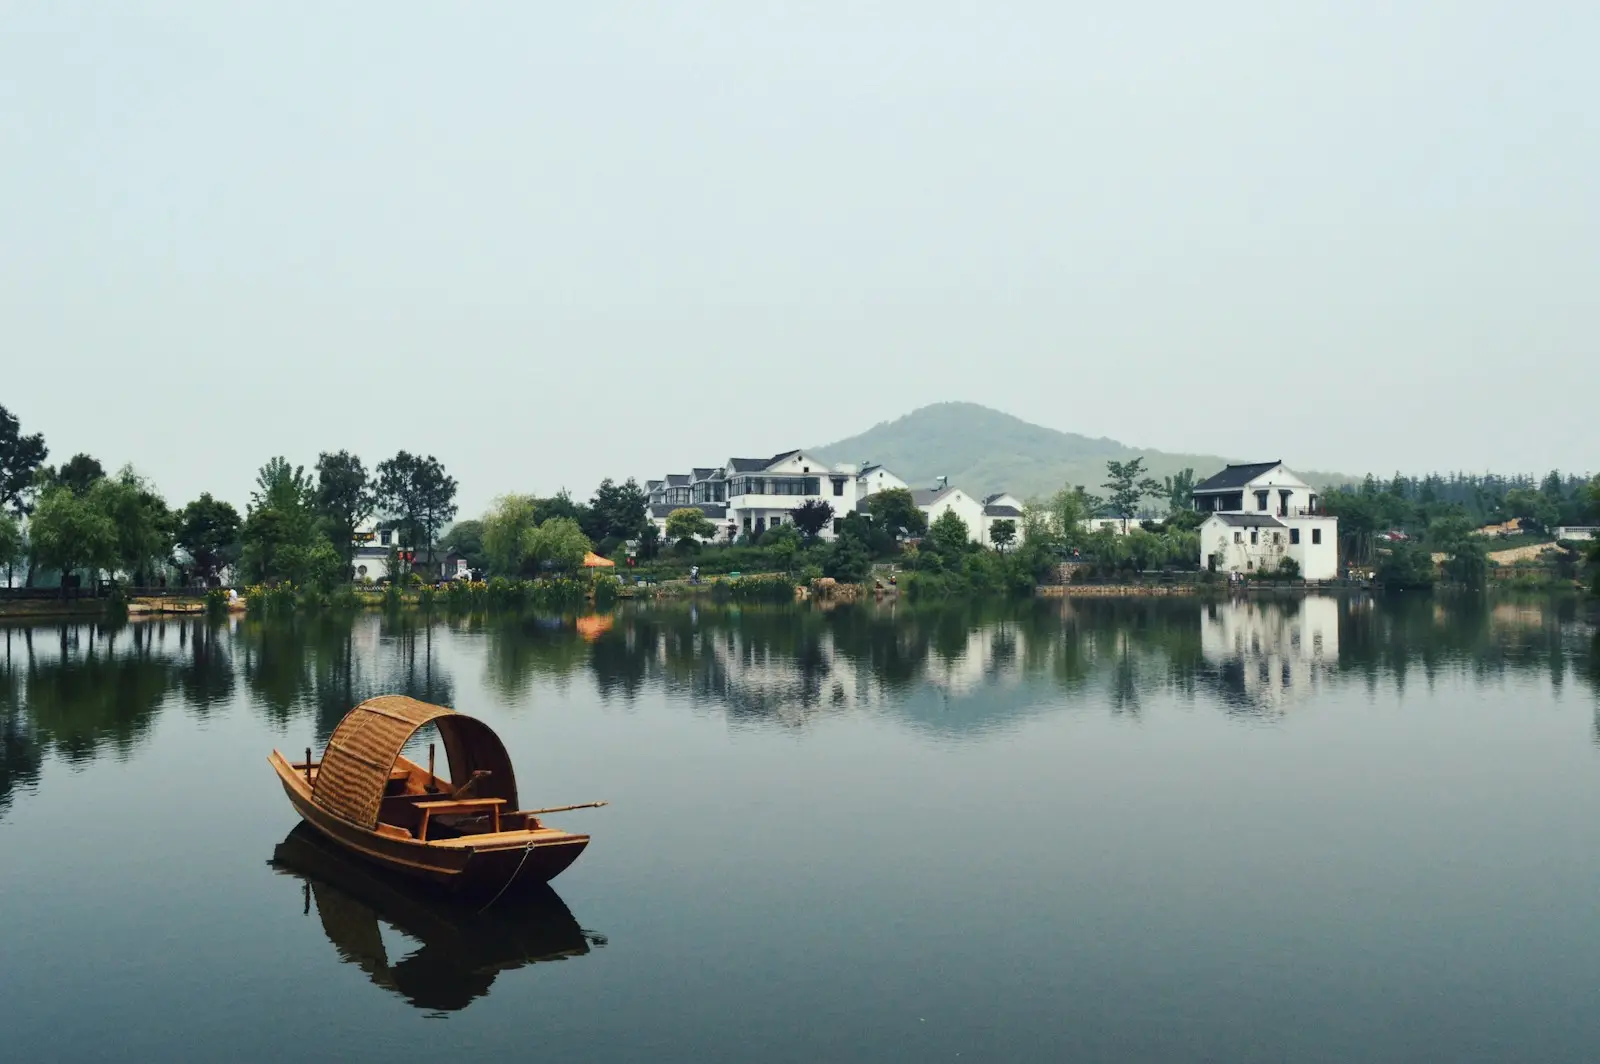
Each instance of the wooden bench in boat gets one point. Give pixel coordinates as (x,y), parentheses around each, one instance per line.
(456,806)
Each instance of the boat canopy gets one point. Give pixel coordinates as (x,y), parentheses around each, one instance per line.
(363,749)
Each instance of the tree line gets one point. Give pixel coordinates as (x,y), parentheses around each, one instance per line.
(299,526)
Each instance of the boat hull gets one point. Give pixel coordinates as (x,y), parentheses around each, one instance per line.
(503,862)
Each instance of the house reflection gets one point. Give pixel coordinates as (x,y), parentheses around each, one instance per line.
(1268,654)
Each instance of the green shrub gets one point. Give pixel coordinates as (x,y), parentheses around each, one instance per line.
(765,588)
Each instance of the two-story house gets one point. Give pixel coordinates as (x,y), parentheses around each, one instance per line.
(763,491)
(1259,514)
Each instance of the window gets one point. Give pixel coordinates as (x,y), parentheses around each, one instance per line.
(1316,535)
(1294,536)
(1255,536)
(1261,500)
(1238,537)
(1276,539)
(838,525)
(838,486)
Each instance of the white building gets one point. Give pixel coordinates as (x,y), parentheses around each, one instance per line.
(1261,513)
(936,502)
(1578,532)
(997,508)
(747,496)
(873,478)
(763,491)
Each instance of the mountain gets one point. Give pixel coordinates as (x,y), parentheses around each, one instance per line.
(983,451)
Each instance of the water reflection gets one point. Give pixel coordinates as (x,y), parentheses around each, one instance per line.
(459,950)
(1267,655)
(76,691)
(329,662)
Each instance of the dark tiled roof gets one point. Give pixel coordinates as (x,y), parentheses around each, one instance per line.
(1250,520)
(994,510)
(749,465)
(702,473)
(713,510)
(652,484)
(928,496)
(677,480)
(869,467)
(1236,476)
(780,456)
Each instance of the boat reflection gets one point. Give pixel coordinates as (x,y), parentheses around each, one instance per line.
(462,949)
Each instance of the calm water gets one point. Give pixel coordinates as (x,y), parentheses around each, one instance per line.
(1328,830)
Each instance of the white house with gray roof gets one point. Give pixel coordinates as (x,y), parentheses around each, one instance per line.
(747,496)
(1261,513)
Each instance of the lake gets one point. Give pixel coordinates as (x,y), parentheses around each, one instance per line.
(1323,829)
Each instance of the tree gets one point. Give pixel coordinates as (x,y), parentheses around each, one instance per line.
(78,474)
(20,459)
(1127,484)
(949,534)
(11,543)
(811,517)
(466,539)
(649,540)
(344,499)
(1468,561)
(1002,534)
(688,525)
(418,493)
(279,528)
(1179,490)
(1534,507)
(68,532)
(618,510)
(783,543)
(282,487)
(1405,566)
(560,544)
(209,530)
(508,530)
(142,520)
(896,512)
(847,560)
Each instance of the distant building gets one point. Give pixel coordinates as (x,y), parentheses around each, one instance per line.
(1578,532)
(747,496)
(1001,507)
(936,502)
(1261,513)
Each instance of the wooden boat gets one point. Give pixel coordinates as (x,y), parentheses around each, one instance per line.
(468,838)
(459,950)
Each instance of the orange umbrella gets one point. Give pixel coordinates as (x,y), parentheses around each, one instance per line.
(594,561)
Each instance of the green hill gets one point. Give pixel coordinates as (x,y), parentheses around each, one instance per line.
(984,451)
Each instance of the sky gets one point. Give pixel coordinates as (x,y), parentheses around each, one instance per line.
(550,243)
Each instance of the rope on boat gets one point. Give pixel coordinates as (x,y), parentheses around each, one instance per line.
(526,850)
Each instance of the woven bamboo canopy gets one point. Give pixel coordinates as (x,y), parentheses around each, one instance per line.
(363,749)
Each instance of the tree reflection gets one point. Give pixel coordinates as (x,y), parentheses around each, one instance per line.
(75,691)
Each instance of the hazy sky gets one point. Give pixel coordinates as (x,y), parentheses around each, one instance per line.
(551,242)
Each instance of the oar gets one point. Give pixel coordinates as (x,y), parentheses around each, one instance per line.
(563,808)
